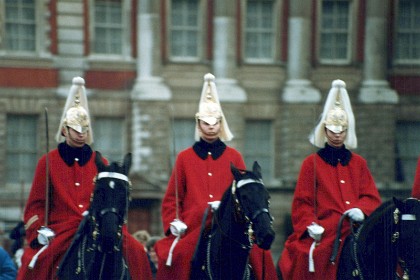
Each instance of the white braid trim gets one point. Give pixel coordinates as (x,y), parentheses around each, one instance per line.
(113,175)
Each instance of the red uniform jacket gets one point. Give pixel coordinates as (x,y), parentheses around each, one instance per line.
(338,188)
(416,186)
(72,186)
(202,175)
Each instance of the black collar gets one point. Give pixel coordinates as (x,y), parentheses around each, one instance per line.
(70,154)
(333,156)
(203,148)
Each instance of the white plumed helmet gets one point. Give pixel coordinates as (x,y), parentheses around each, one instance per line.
(337,117)
(209,109)
(76,111)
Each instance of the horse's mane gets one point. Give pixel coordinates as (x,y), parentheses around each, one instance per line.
(376,219)
(374,241)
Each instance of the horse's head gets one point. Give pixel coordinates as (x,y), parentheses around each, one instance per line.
(409,243)
(110,201)
(253,199)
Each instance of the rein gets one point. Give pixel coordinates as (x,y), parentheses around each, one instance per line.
(397,217)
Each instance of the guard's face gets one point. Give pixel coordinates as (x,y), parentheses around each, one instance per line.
(209,132)
(75,139)
(335,139)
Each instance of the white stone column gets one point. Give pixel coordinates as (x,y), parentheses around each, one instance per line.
(70,57)
(149,84)
(224,59)
(375,88)
(298,87)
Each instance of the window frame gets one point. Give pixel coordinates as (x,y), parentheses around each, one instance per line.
(34,151)
(201,36)
(109,154)
(396,60)
(276,33)
(411,156)
(126,43)
(270,171)
(177,143)
(42,27)
(352,33)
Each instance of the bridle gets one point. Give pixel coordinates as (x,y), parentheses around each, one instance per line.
(113,210)
(397,218)
(241,217)
(111,184)
(238,184)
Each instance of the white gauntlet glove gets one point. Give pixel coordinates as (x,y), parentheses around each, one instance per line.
(355,214)
(45,235)
(178,227)
(315,231)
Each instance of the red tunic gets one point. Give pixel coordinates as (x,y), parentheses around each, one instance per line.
(199,181)
(339,188)
(71,187)
(416,186)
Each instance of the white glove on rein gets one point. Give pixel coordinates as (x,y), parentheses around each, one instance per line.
(355,214)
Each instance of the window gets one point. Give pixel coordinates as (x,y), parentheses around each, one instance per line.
(185,25)
(182,136)
(20,26)
(108,136)
(407,41)
(407,151)
(260,31)
(111,25)
(21,150)
(259,147)
(335,27)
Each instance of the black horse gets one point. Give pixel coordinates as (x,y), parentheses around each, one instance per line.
(242,219)
(96,249)
(386,245)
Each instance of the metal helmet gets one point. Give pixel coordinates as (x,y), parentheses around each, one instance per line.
(336,120)
(209,109)
(337,116)
(76,112)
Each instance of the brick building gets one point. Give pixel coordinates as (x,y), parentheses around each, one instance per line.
(144,62)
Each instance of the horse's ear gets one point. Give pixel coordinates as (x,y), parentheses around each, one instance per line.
(398,203)
(127,163)
(99,162)
(236,173)
(256,168)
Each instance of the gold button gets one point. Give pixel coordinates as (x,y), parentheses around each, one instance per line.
(347,202)
(80,206)
(342,181)
(76,159)
(209,153)
(210,195)
(77,184)
(210,174)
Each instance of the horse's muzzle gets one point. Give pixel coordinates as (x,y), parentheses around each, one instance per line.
(264,233)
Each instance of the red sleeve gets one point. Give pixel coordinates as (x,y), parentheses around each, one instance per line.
(35,206)
(303,205)
(169,204)
(416,186)
(369,198)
